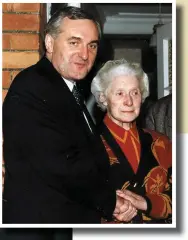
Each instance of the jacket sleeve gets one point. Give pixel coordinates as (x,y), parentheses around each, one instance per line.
(159,179)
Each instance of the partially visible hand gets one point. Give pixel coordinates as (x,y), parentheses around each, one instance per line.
(124,210)
(138,201)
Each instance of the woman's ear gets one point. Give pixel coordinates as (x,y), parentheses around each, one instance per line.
(49,43)
(102,98)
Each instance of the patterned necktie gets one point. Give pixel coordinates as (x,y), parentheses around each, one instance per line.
(80,101)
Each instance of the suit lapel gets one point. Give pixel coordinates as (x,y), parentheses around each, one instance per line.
(45,67)
(124,163)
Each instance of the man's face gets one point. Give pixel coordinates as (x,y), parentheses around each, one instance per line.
(124,100)
(74,51)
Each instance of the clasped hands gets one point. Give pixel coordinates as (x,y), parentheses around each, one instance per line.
(127,205)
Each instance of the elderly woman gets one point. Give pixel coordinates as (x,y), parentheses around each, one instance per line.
(140,159)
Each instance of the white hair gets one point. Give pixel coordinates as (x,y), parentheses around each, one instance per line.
(113,69)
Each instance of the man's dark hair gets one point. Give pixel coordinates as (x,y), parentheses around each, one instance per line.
(74,13)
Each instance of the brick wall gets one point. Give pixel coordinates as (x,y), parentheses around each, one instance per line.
(22,26)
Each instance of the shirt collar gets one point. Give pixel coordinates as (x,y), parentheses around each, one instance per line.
(116,130)
(70,84)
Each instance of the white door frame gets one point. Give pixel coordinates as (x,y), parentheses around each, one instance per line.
(164,34)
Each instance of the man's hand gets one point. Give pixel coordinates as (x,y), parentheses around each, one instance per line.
(138,201)
(124,210)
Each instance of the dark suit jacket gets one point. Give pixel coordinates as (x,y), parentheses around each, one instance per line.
(159,116)
(56,171)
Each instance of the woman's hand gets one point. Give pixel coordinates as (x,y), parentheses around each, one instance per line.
(137,201)
(124,211)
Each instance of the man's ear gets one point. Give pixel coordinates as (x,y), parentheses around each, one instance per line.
(102,98)
(49,43)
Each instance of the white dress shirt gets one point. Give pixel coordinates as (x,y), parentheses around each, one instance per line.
(70,85)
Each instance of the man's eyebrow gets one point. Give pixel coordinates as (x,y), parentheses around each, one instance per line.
(79,39)
(74,38)
(95,41)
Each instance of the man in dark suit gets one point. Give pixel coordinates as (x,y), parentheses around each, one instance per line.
(159,117)
(56,165)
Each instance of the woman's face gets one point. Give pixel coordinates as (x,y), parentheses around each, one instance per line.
(123,100)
